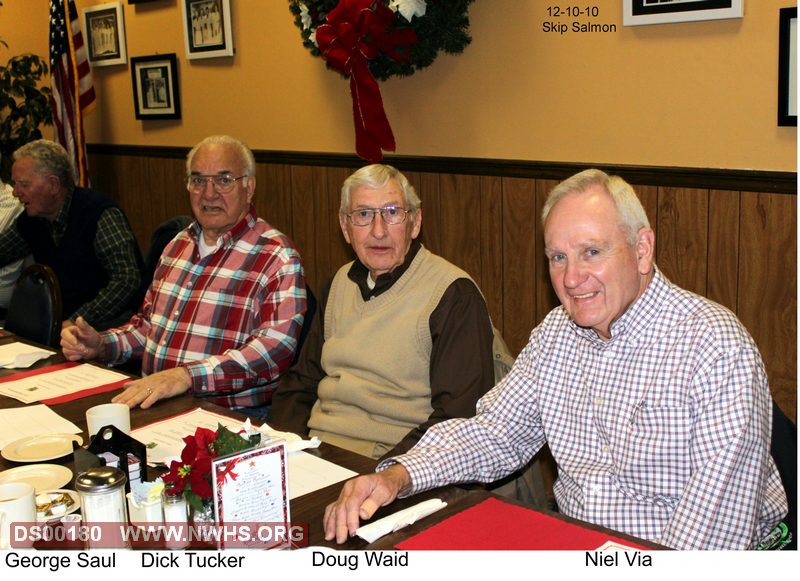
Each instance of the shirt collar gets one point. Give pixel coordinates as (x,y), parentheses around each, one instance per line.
(637,318)
(232,235)
(358,274)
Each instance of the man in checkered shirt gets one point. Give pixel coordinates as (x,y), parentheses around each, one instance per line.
(223,313)
(654,401)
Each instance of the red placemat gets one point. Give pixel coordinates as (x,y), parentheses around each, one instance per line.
(70,396)
(494,525)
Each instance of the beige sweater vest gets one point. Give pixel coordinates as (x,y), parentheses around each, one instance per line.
(376,358)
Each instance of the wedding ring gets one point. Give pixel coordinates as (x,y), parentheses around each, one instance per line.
(149,391)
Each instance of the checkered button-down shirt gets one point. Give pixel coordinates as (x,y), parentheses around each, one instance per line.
(661,432)
(231,319)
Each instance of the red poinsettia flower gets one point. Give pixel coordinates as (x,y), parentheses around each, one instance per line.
(194,468)
(191,476)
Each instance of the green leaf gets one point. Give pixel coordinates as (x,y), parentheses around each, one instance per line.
(227,442)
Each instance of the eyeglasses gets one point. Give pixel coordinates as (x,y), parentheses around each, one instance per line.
(364,216)
(222,183)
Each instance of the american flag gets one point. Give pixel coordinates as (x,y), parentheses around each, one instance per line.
(71,80)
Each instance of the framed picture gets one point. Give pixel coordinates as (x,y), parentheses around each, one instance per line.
(155,86)
(787,67)
(636,12)
(104,30)
(207,28)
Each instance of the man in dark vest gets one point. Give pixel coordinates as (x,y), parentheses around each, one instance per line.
(80,233)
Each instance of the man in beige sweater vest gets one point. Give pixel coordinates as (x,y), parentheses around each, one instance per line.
(402,338)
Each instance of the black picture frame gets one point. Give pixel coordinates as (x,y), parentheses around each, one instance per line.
(156,94)
(104,32)
(207,30)
(638,12)
(787,68)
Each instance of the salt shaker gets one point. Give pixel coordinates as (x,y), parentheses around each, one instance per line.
(176,516)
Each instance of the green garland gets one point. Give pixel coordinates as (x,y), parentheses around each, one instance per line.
(444,27)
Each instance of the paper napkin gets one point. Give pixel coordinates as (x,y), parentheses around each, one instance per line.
(394,522)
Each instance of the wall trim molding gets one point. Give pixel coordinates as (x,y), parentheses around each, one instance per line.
(782,182)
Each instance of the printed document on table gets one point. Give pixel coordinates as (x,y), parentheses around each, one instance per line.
(164,441)
(35,420)
(50,385)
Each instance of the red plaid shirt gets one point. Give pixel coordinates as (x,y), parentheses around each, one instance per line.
(231,319)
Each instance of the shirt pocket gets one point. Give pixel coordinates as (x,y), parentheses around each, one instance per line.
(655,465)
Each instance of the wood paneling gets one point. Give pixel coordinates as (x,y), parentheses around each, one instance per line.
(732,243)
(768,288)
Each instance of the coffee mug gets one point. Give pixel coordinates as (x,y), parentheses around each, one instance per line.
(17,505)
(108,414)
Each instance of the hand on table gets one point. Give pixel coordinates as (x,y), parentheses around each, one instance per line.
(148,390)
(360,498)
(80,341)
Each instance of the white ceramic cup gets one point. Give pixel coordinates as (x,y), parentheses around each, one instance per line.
(108,414)
(17,505)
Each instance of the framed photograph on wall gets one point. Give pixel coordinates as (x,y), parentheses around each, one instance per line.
(207,28)
(155,86)
(636,12)
(787,67)
(104,30)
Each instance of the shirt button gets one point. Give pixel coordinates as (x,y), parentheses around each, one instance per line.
(606,449)
(596,488)
(598,401)
(176,313)
(608,354)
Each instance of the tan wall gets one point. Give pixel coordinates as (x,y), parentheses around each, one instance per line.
(691,94)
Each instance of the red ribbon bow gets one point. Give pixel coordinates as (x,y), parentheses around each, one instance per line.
(355,32)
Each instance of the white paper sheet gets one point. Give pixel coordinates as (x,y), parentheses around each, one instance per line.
(34,420)
(164,439)
(58,383)
(19,355)
(308,473)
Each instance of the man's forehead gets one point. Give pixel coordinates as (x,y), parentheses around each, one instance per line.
(216,158)
(390,191)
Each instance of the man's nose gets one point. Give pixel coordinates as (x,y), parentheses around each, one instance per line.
(573,274)
(378,225)
(209,190)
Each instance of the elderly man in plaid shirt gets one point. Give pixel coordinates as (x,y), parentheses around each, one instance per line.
(654,401)
(222,316)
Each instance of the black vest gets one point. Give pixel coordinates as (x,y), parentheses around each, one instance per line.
(80,274)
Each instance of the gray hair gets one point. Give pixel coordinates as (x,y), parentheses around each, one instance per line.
(49,158)
(632,216)
(245,154)
(376,176)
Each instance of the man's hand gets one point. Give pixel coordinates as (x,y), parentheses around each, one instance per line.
(360,498)
(148,390)
(80,341)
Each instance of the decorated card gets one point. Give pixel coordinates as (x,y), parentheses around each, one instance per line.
(251,487)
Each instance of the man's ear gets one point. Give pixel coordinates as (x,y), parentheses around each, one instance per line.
(645,250)
(343,226)
(251,187)
(415,229)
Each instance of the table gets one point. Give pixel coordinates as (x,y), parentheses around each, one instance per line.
(310,507)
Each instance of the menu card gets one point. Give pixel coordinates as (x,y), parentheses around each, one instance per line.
(251,487)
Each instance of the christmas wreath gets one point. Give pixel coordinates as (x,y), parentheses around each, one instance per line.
(371,40)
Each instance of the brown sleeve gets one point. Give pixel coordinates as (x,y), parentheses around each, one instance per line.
(462,369)
(297,390)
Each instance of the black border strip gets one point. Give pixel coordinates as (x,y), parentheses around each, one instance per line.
(639,8)
(782,182)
